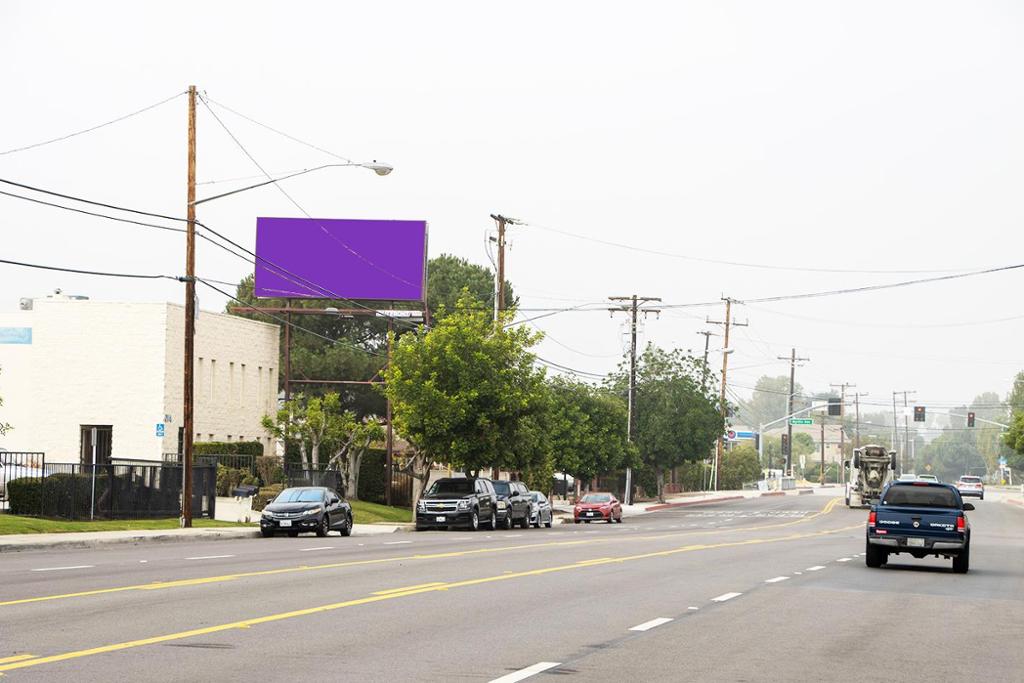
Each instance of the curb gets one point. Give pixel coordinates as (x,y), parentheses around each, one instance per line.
(212,534)
(805,492)
(665,506)
(772,493)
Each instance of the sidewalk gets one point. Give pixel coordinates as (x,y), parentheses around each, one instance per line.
(91,539)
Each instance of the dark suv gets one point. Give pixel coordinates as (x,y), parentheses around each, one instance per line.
(457,501)
(514,504)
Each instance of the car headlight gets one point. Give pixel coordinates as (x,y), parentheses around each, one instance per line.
(463,504)
(502,504)
(313,511)
(421,506)
(268,514)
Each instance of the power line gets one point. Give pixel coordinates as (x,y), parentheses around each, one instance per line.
(887,325)
(89,130)
(137,276)
(763,266)
(91,213)
(91,202)
(275,130)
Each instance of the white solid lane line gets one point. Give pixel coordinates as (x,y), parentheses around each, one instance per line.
(726,596)
(777,579)
(57,569)
(396,542)
(815,568)
(523,674)
(648,625)
(208,557)
(323,547)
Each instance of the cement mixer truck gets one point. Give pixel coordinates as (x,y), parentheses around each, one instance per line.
(871,469)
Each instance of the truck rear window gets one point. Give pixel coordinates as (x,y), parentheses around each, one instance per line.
(921,496)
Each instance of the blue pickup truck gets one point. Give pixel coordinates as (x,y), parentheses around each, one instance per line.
(920,518)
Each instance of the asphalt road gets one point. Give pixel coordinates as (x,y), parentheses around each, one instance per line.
(769,589)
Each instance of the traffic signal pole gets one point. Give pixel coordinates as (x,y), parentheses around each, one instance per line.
(788,453)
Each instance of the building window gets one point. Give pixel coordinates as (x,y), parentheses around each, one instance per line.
(271,389)
(259,385)
(213,380)
(231,382)
(241,394)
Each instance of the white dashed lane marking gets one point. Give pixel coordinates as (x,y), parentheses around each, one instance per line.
(815,568)
(648,625)
(523,674)
(323,547)
(209,557)
(60,569)
(397,542)
(726,596)
(777,579)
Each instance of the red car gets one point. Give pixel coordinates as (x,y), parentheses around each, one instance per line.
(597,506)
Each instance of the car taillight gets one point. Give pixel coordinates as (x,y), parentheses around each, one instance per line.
(872,518)
(961,524)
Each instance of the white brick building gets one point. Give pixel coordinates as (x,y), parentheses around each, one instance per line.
(67,365)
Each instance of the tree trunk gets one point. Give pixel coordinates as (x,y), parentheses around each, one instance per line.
(303,455)
(661,486)
(353,474)
(316,456)
(420,470)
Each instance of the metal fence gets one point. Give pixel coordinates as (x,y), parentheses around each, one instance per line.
(401,487)
(232,460)
(303,476)
(114,491)
(16,465)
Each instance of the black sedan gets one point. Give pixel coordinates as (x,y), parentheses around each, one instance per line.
(307,508)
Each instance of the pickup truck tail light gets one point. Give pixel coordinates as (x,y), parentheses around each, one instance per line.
(872,518)
(961,524)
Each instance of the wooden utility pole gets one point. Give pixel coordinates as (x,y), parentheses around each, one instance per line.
(633,308)
(499,291)
(793,360)
(823,418)
(390,454)
(728,323)
(190,319)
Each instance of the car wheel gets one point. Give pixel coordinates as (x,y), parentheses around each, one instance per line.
(981,497)
(524,523)
(346,529)
(587,521)
(507,524)
(875,557)
(575,521)
(267,533)
(551,520)
(324,527)
(492,523)
(474,520)
(961,562)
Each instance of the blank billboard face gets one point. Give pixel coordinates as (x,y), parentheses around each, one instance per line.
(331,258)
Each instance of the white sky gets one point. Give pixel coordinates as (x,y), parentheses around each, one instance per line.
(842,135)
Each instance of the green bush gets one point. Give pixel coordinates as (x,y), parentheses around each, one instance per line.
(227,448)
(265,495)
(739,466)
(270,470)
(371,476)
(230,477)
(25,496)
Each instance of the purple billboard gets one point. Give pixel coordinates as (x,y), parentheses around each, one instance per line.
(331,258)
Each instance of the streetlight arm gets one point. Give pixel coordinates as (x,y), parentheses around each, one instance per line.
(378,168)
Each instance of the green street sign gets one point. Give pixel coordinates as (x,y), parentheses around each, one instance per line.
(801,421)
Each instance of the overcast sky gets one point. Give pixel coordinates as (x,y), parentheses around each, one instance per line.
(838,136)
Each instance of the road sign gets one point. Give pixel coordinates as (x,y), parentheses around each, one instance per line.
(160,429)
(801,421)
(803,461)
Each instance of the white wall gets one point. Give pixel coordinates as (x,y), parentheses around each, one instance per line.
(120,364)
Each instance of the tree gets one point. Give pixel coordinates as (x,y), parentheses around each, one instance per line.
(360,350)
(317,424)
(462,391)
(739,466)
(451,276)
(678,416)
(1015,400)
(803,444)
(770,401)
(587,430)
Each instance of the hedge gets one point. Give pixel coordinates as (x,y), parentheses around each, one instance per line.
(227,448)
(58,495)
(371,476)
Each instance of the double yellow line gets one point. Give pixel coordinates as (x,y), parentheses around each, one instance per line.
(24,661)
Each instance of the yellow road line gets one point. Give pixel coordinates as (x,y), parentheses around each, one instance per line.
(409,588)
(412,590)
(15,658)
(159,585)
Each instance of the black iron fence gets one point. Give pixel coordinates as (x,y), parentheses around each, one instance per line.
(114,491)
(17,465)
(401,488)
(232,460)
(304,476)
(401,484)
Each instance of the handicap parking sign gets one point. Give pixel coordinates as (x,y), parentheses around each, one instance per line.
(159,428)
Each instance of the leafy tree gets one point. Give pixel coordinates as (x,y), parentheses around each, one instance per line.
(319,424)
(1015,400)
(803,444)
(738,466)
(1014,438)
(678,416)
(770,401)
(462,391)
(361,347)
(587,429)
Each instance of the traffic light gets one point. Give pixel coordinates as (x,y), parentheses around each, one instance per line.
(970,419)
(835,406)
(919,414)
(785,444)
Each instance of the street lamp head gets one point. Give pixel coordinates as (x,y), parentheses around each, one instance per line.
(726,352)
(378,167)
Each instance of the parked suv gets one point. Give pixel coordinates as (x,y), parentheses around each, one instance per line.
(514,504)
(458,501)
